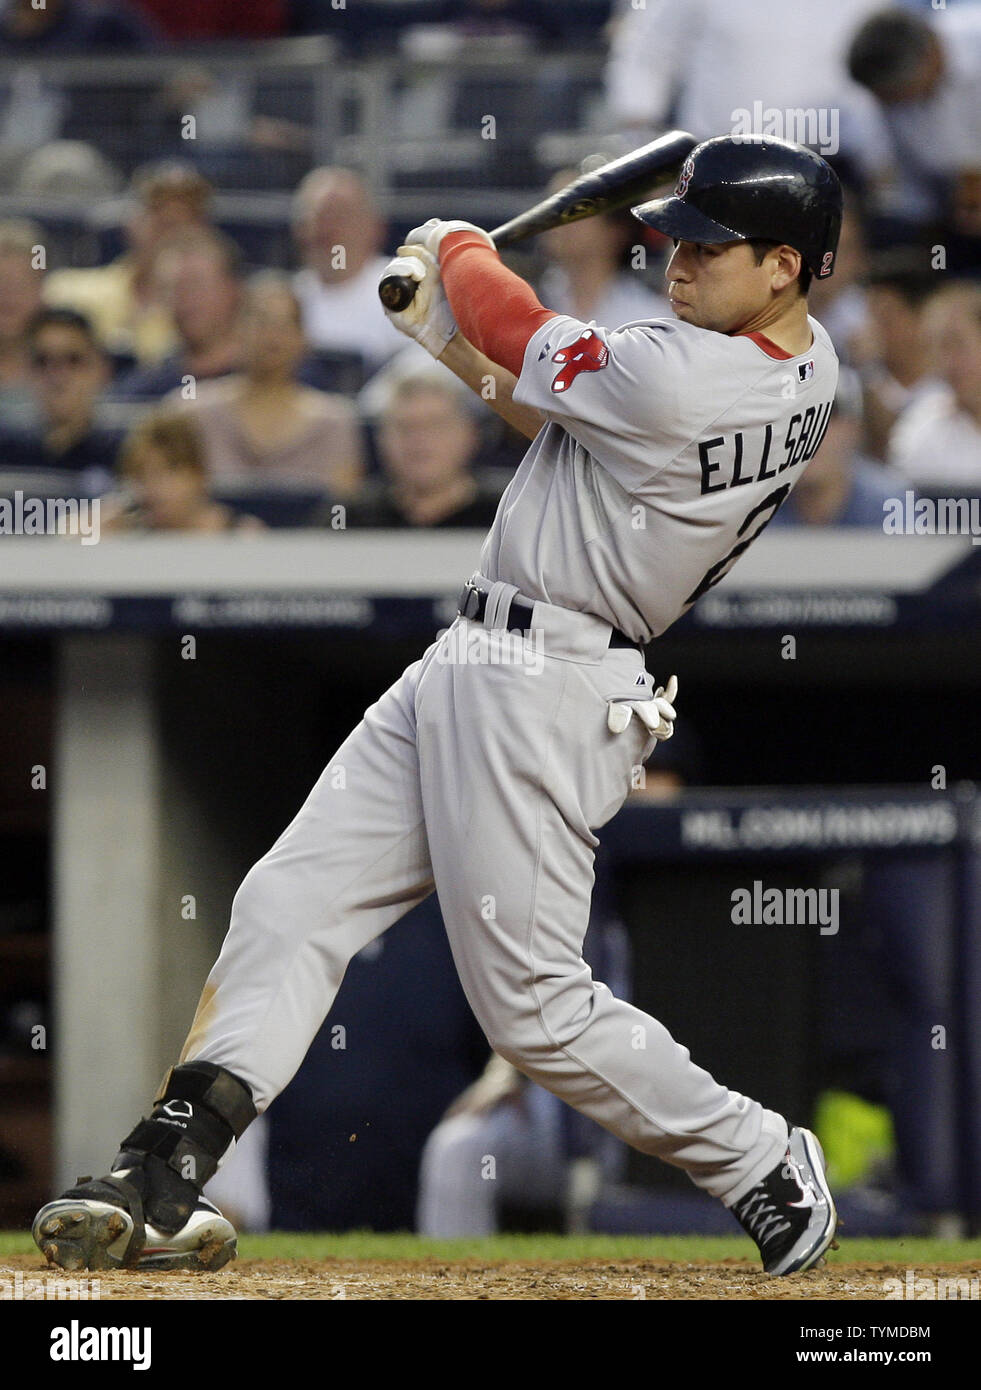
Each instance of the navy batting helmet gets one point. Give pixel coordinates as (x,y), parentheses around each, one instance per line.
(754,187)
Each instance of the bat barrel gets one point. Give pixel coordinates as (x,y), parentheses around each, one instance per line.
(610,188)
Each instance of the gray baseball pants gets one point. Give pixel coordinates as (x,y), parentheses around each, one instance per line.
(483,772)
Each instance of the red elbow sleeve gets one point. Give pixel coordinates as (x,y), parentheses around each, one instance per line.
(494,309)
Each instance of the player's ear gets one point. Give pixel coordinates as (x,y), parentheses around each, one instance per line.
(785,268)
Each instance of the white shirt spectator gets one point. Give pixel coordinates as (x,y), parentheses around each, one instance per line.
(714,58)
(347,315)
(941,135)
(936,444)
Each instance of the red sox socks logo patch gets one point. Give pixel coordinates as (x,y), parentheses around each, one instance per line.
(587,354)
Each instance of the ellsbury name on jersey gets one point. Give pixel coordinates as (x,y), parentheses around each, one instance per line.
(804,433)
(744,457)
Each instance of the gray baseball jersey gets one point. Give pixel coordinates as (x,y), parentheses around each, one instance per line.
(668,449)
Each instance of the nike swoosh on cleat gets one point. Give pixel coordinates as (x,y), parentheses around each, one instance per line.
(809,1197)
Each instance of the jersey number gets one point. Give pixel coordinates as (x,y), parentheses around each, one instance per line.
(771,503)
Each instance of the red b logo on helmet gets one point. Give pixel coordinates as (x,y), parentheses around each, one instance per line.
(687,169)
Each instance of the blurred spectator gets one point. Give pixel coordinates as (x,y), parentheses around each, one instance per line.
(220,102)
(194,20)
(590,273)
(263,424)
(500,449)
(925,72)
(937,442)
(339,234)
(69,372)
(519,1124)
(841,487)
(67,169)
(34,112)
(702,63)
(200,278)
(162,467)
(234,142)
(891,352)
(436,96)
(122,298)
(427,440)
(838,302)
(28,29)
(22,283)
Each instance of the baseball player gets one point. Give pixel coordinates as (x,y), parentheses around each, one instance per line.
(660,450)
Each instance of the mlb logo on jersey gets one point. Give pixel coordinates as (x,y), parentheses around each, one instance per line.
(805,370)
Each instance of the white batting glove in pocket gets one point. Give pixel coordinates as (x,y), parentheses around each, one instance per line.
(657,714)
(429,318)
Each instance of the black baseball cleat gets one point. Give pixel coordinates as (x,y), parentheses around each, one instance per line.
(791,1214)
(148,1212)
(100,1225)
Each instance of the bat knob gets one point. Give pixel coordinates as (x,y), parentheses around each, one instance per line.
(397,292)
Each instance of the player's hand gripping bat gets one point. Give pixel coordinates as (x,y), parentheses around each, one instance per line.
(613,186)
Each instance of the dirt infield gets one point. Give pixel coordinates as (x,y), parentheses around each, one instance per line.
(411,1280)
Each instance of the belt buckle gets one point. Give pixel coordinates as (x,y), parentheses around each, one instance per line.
(469,600)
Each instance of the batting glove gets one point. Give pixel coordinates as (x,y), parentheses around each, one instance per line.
(431,233)
(657,714)
(663,702)
(429,318)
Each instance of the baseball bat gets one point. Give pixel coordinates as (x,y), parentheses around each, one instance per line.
(607,189)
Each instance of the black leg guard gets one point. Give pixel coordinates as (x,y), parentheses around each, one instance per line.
(166,1160)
